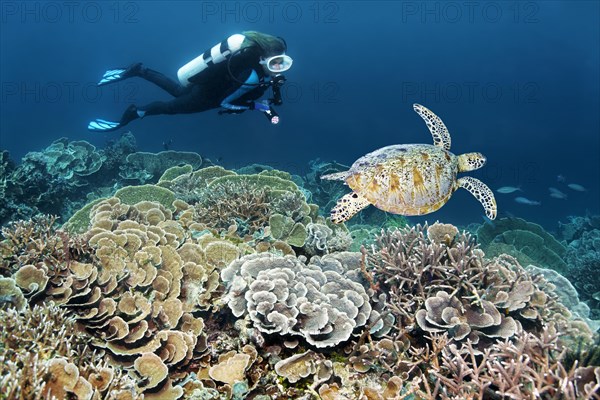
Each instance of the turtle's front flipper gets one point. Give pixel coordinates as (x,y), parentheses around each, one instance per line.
(347,206)
(481,193)
(441,136)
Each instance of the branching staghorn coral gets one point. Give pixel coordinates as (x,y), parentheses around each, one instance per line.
(39,256)
(234,203)
(528,366)
(490,326)
(414,268)
(28,241)
(445,284)
(43,355)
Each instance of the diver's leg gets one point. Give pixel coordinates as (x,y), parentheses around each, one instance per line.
(192,101)
(163,82)
(139,70)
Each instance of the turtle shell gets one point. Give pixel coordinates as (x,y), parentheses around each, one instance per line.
(407,179)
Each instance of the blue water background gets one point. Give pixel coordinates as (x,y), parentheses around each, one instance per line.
(517,81)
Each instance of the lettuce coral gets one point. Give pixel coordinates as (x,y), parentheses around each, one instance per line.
(284,295)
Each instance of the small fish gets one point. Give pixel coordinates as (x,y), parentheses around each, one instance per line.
(560,178)
(508,189)
(576,187)
(557,194)
(523,200)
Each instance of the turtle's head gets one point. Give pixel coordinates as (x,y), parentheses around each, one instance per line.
(470,161)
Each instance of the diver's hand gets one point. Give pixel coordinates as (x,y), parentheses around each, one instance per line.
(260,107)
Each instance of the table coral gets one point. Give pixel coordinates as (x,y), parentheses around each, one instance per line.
(66,159)
(286,229)
(134,194)
(231,367)
(444,313)
(145,167)
(527,241)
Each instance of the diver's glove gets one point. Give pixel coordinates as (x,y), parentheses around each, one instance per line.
(264,107)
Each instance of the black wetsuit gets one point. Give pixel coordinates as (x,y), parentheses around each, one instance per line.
(209,88)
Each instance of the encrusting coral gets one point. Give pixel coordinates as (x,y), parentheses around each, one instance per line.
(11,295)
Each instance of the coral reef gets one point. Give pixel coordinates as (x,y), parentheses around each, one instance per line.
(263,206)
(134,289)
(472,307)
(51,181)
(567,294)
(448,286)
(576,226)
(215,284)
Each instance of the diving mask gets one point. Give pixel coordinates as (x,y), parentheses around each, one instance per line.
(278,64)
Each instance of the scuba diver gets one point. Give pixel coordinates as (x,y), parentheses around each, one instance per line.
(233,75)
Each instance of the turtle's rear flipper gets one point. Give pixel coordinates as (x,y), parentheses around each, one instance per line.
(481,193)
(347,206)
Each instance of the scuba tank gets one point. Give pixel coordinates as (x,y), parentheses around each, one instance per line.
(217,54)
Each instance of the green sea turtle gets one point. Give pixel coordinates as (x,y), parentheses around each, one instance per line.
(411,179)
